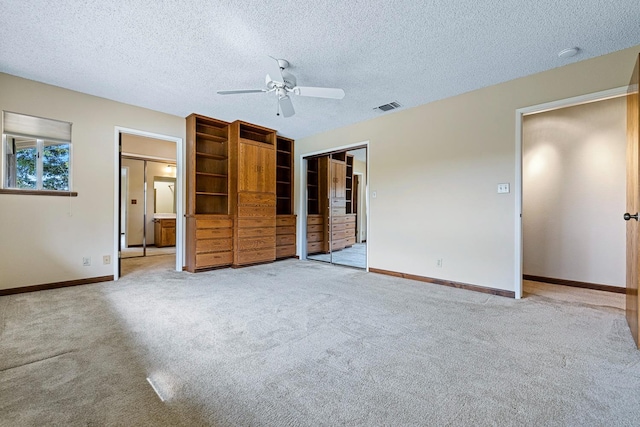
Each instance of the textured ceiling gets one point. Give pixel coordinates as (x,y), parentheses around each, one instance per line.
(173,56)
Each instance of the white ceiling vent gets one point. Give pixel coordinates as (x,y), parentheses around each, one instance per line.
(388,107)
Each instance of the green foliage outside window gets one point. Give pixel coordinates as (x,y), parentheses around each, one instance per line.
(55,167)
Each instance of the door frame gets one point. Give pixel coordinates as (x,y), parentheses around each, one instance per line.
(180,180)
(301,230)
(520,113)
(123,208)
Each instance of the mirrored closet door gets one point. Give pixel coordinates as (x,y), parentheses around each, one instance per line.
(336,207)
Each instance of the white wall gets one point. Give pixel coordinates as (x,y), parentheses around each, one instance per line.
(574,192)
(143,146)
(44,238)
(435,169)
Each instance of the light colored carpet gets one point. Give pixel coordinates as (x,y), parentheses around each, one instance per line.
(299,343)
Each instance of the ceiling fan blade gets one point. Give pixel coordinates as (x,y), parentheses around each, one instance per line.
(319,92)
(274,70)
(234,92)
(287,106)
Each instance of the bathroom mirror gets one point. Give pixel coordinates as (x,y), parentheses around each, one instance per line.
(164,194)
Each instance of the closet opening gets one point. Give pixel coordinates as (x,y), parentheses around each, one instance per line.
(571,157)
(336,202)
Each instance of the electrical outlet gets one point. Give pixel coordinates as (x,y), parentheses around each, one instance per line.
(374,194)
(86,261)
(503,188)
(439,262)
(106,259)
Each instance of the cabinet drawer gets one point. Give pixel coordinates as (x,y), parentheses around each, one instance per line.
(213,233)
(257,212)
(256,199)
(314,237)
(314,247)
(349,241)
(167,223)
(338,211)
(338,227)
(337,235)
(257,232)
(289,239)
(285,220)
(285,230)
(314,228)
(256,222)
(214,223)
(338,202)
(337,244)
(314,219)
(285,251)
(214,259)
(256,243)
(338,219)
(350,219)
(251,257)
(213,245)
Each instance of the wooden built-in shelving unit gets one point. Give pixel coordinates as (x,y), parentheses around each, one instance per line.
(239,194)
(285,219)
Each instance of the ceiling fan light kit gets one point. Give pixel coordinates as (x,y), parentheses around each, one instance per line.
(286,83)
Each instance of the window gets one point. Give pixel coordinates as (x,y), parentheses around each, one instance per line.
(37,153)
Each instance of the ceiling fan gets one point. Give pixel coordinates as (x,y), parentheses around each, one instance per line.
(284,83)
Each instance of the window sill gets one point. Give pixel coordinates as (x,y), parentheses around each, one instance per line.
(39,192)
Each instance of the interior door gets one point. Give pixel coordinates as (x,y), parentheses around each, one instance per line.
(633,202)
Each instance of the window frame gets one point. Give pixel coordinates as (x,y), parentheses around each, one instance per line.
(41,143)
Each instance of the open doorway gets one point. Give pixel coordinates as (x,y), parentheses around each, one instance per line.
(336,207)
(149,197)
(570,193)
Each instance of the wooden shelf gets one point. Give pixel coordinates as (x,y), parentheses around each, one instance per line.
(283,182)
(210,137)
(211,156)
(284,167)
(204,193)
(214,175)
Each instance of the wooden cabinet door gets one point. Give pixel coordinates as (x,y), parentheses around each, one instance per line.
(256,168)
(633,205)
(338,179)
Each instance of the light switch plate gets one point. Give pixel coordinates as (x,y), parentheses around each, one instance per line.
(503,188)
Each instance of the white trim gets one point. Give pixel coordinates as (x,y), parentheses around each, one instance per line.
(534,109)
(180,179)
(126,211)
(151,158)
(302,197)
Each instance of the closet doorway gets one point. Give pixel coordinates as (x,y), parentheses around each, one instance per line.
(149,198)
(336,207)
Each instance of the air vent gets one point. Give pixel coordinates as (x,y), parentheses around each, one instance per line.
(388,107)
